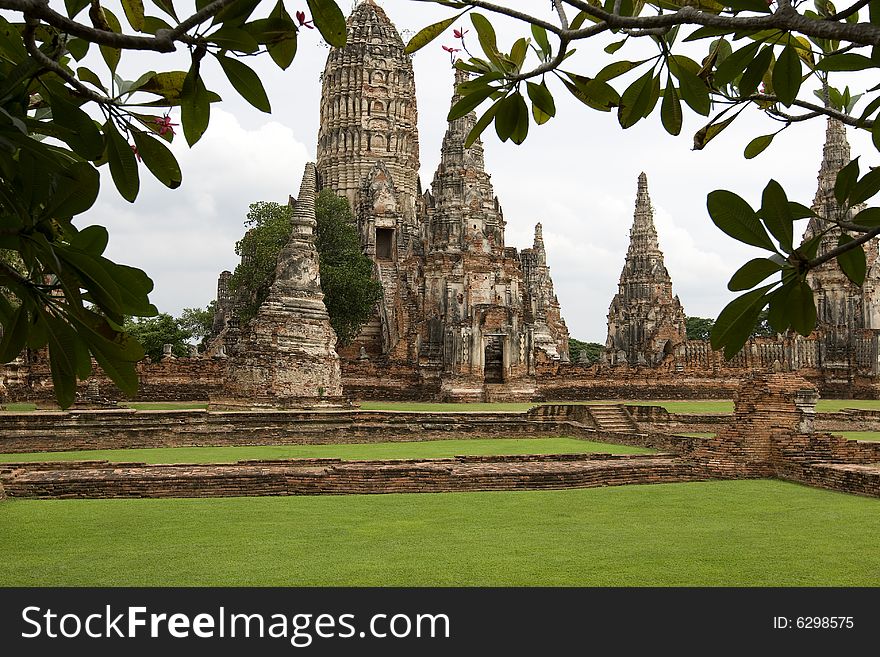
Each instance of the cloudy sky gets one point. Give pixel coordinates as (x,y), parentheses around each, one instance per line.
(576,174)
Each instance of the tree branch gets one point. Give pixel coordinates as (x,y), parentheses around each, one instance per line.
(163,41)
(843,248)
(818,109)
(50,64)
(846,13)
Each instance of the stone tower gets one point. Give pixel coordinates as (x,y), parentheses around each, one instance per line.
(645,321)
(839,303)
(285,356)
(842,308)
(368,152)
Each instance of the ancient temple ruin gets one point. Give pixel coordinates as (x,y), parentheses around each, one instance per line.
(285,357)
(460,310)
(645,321)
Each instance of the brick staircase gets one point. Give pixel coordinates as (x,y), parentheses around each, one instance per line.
(612,417)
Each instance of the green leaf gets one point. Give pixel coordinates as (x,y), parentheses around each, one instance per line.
(168,7)
(735,64)
(229,37)
(754,72)
(246,82)
(518,52)
(134,12)
(91,239)
(15,334)
(852,262)
(615,69)
(111,55)
(757,146)
(541,98)
(670,109)
(635,102)
(692,88)
(596,94)
(801,308)
(486,35)
(123,165)
(280,36)
(75,191)
(64,348)
(482,124)
(752,273)
(737,320)
(711,130)
(540,36)
(869,217)
(777,216)
(736,218)
(787,76)
(521,130)
(329,20)
(506,118)
(800,211)
(848,61)
(85,138)
(78,48)
(865,188)
(846,180)
(86,75)
(75,6)
(158,159)
(195,107)
(612,48)
(469,103)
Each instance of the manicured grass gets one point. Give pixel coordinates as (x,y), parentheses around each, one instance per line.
(511,407)
(859,435)
(735,533)
(19,406)
(697,434)
(699,406)
(398,450)
(833,405)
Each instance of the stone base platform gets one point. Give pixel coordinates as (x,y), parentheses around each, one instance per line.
(102,479)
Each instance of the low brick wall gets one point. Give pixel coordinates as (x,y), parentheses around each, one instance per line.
(122,429)
(329,476)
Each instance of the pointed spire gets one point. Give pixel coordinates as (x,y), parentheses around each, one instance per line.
(538,245)
(643,234)
(304,208)
(835,155)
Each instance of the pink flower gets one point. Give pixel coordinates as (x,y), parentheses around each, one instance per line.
(134,150)
(459,34)
(165,125)
(301,17)
(451,52)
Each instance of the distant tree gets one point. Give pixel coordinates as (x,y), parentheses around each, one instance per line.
(198,322)
(699,328)
(577,347)
(762,326)
(155,332)
(350,293)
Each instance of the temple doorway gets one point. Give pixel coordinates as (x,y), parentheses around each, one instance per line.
(493,368)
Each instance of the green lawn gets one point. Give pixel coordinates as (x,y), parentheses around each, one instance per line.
(859,435)
(166,406)
(733,533)
(399,450)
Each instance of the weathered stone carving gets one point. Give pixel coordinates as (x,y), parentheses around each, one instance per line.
(285,356)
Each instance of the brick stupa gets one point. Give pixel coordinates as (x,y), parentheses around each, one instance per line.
(286,355)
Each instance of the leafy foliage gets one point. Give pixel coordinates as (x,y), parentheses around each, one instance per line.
(350,293)
(155,332)
(60,122)
(593,350)
(699,328)
(198,322)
